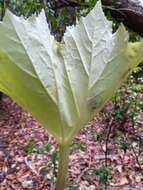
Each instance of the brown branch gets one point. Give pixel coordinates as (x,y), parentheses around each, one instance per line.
(66,3)
(131,11)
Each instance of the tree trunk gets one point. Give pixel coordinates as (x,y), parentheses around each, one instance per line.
(131,11)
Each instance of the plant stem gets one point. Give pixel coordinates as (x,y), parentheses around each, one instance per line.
(63,166)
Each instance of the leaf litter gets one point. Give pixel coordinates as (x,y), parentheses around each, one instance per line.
(27,152)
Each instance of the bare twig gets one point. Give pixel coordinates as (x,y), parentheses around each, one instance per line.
(137,160)
(107,140)
(106,146)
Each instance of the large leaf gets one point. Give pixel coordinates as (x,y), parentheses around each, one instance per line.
(64,84)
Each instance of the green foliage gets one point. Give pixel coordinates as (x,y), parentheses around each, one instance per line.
(54,159)
(123,144)
(79,146)
(26,8)
(29,148)
(100,137)
(58,15)
(32,148)
(86,7)
(104,174)
(128,99)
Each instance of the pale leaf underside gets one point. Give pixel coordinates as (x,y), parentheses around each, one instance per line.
(63,84)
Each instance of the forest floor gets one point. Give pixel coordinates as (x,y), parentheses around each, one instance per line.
(27,155)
